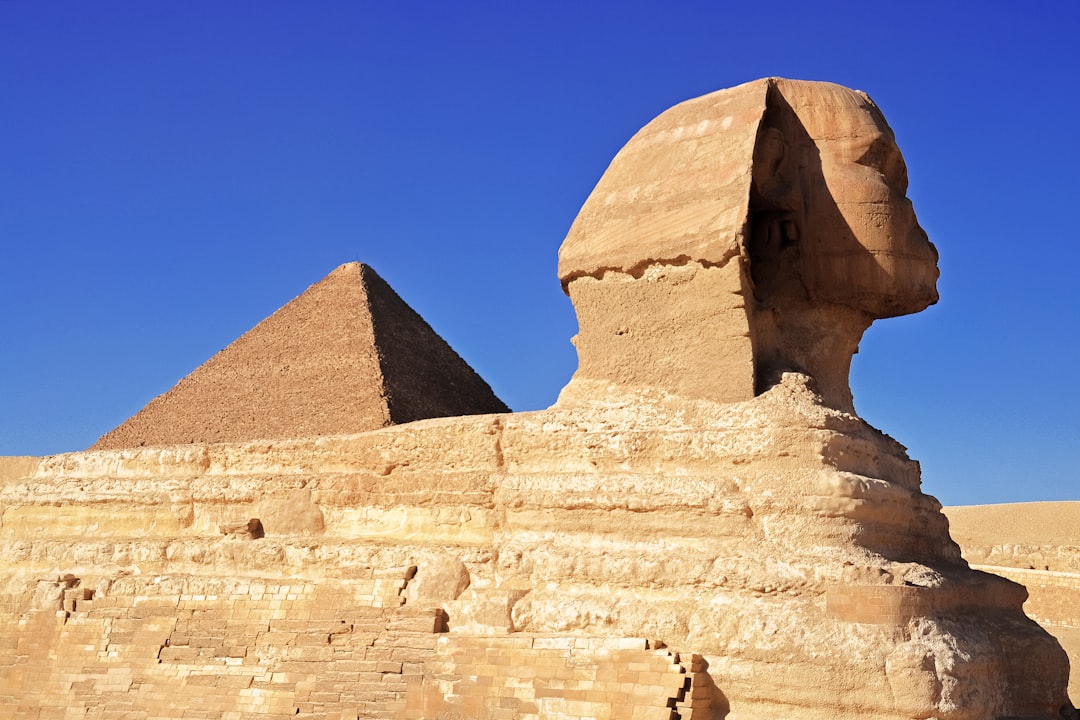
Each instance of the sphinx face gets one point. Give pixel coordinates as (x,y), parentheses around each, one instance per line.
(863,244)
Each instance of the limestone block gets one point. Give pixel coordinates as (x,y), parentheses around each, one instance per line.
(294,514)
(14,468)
(436,580)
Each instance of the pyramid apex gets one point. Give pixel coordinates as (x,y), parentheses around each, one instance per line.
(349,268)
(353,269)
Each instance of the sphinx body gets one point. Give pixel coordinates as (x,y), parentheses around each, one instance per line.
(702,482)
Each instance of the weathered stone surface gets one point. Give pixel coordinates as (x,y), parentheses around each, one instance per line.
(734,531)
(770,218)
(701,527)
(345,356)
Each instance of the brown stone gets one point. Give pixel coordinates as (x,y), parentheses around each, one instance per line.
(771,219)
(347,355)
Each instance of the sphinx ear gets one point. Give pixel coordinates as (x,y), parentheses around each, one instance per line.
(775,209)
(770,153)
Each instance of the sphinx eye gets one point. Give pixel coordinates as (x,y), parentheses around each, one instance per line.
(885,157)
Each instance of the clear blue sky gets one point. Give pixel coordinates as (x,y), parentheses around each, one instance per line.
(173,172)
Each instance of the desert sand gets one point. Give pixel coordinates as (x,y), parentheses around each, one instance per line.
(1034,523)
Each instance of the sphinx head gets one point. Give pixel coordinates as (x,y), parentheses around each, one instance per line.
(830,219)
(742,234)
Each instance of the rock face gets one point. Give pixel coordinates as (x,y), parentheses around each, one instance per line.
(346,356)
(700,528)
(745,233)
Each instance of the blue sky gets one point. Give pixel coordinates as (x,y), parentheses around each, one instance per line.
(173,172)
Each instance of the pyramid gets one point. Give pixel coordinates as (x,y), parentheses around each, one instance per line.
(346,356)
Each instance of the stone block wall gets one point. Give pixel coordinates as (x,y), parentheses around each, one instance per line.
(528,677)
(201,649)
(1053,597)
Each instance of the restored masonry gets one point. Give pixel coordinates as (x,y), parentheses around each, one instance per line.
(701,528)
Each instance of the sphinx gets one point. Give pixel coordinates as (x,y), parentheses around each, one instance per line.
(702,489)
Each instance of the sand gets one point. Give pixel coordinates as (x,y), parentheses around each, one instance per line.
(1036,523)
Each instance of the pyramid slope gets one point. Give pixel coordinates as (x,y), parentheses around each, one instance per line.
(421,378)
(348,355)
